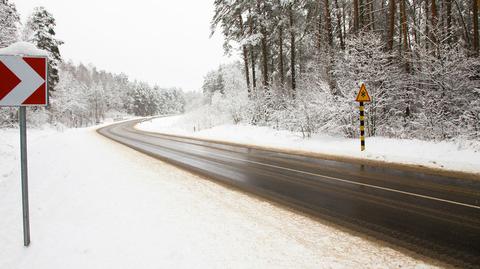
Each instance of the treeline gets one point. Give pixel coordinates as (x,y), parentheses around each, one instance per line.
(79,95)
(85,96)
(303,61)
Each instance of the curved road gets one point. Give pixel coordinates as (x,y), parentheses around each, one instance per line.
(437,216)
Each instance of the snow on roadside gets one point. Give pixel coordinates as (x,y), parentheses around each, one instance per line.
(98,204)
(441,155)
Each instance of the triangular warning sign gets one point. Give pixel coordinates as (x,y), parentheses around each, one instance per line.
(362,95)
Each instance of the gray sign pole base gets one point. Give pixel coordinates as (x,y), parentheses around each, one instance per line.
(22,118)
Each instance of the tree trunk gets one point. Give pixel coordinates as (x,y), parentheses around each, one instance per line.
(475,27)
(406,49)
(263,45)
(339,26)
(433,22)
(415,22)
(328,23)
(344,23)
(252,52)
(247,74)
(264,57)
(280,64)
(427,29)
(399,27)
(385,24)
(245,55)
(462,19)
(319,27)
(371,8)
(292,51)
(361,6)
(356,24)
(254,78)
(448,25)
(391,27)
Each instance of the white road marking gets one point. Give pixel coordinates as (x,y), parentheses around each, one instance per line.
(346,181)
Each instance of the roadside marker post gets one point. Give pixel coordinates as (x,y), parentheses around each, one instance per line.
(362,97)
(23,82)
(362,127)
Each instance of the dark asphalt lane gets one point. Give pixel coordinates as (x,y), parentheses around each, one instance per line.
(436,215)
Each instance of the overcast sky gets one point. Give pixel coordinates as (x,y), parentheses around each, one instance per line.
(163,42)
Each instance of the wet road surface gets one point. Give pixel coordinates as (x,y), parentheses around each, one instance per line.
(435,215)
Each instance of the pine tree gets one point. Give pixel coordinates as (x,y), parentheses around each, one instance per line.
(40,30)
(9,21)
(404,50)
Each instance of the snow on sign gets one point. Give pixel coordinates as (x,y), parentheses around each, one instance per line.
(362,95)
(23,80)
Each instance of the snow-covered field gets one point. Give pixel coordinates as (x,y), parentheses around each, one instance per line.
(98,204)
(440,155)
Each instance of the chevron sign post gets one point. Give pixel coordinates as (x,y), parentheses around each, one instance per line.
(23,82)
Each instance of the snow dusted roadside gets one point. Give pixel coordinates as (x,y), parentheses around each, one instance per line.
(440,155)
(98,204)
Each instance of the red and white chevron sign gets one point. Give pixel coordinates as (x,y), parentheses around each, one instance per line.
(23,81)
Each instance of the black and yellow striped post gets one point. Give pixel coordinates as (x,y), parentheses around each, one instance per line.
(362,126)
(362,96)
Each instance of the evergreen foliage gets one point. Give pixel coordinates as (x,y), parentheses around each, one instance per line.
(418,58)
(40,30)
(9,28)
(9,23)
(86,96)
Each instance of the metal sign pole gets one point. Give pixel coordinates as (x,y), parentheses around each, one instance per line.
(22,116)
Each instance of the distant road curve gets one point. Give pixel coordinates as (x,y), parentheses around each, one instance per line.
(435,215)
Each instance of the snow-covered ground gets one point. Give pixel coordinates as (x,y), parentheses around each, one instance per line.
(441,155)
(98,204)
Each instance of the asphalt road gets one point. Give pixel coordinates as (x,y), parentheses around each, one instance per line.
(435,215)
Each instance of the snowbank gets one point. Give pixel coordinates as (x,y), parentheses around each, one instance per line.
(439,155)
(23,48)
(98,204)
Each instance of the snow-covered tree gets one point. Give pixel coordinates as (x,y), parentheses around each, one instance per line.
(86,95)
(144,100)
(69,103)
(213,83)
(9,23)
(40,30)
(418,59)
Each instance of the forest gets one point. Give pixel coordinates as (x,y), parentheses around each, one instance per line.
(301,65)
(79,95)
(302,62)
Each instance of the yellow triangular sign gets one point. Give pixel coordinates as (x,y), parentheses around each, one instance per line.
(362,95)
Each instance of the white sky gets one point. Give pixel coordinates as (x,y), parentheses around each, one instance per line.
(163,42)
